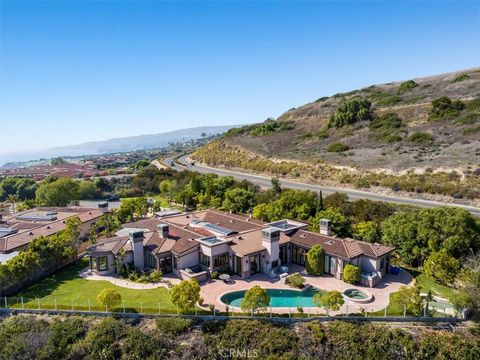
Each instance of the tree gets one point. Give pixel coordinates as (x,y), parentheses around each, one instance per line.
(255,298)
(315,259)
(444,108)
(351,274)
(409,297)
(238,200)
(367,231)
(320,206)
(185,294)
(58,192)
(460,301)
(331,300)
(276,186)
(57,161)
(340,223)
(338,201)
(109,298)
(442,267)
(351,111)
(12,199)
(87,190)
(109,223)
(72,232)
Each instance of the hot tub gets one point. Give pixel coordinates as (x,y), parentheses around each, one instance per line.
(358,296)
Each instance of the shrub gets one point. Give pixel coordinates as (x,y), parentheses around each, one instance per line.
(421,138)
(336,147)
(214,274)
(444,108)
(173,325)
(351,111)
(109,298)
(407,86)
(315,258)
(460,78)
(351,274)
(155,276)
(255,298)
(295,280)
(442,267)
(185,294)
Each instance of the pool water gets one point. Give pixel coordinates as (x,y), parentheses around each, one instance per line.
(278,297)
(355,294)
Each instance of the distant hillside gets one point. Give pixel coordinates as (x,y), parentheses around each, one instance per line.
(143,142)
(391,129)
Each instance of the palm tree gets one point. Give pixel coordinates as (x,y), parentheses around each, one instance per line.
(13,199)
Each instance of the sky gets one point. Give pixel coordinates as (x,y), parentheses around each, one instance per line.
(76,71)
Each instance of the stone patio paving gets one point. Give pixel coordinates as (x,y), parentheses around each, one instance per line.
(212,291)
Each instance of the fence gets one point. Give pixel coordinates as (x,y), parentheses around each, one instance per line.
(149,309)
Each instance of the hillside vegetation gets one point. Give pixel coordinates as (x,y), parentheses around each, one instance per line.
(420,135)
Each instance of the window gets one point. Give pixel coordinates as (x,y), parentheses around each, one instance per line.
(299,255)
(204,260)
(220,262)
(165,264)
(93,263)
(151,261)
(382,263)
(102,263)
(175,262)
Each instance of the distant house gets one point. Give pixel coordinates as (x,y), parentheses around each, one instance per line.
(18,230)
(206,241)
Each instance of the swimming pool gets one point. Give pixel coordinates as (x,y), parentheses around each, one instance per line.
(278,297)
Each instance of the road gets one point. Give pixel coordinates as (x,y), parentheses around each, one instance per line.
(265,182)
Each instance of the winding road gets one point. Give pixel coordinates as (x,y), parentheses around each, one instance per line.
(265,182)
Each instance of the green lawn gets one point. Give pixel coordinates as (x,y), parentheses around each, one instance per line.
(429,283)
(67,286)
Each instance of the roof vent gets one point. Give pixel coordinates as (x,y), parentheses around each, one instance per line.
(239,238)
(329,242)
(48,227)
(303,235)
(30,233)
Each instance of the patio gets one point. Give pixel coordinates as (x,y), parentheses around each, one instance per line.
(212,291)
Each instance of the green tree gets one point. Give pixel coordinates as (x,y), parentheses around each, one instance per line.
(73,231)
(351,111)
(109,223)
(87,190)
(331,300)
(59,192)
(460,301)
(338,201)
(442,267)
(351,274)
(445,108)
(13,199)
(276,186)
(340,223)
(315,259)
(185,294)
(255,298)
(109,298)
(238,200)
(367,231)
(409,297)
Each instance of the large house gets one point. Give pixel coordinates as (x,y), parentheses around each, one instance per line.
(193,245)
(18,230)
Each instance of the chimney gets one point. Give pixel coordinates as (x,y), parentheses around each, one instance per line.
(270,234)
(136,240)
(103,206)
(163,230)
(326,227)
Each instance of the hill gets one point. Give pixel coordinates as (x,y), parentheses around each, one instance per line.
(420,135)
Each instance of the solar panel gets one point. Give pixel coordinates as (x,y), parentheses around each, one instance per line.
(219,229)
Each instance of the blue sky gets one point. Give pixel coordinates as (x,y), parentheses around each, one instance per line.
(74,71)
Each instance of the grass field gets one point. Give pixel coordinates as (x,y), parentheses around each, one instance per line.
(428,283)
(66,287)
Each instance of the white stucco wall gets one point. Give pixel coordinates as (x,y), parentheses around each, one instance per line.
(368,264)
(188,260)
